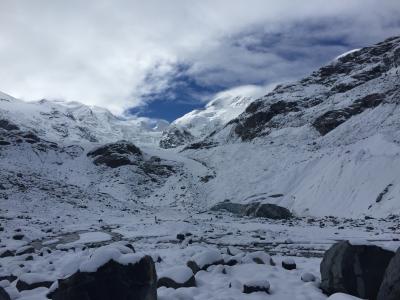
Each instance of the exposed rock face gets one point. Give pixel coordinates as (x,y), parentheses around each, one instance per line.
(256,209)
(175,136)
(357,270)
(111,281)
(332,119)
(255,123)
(390,288)
(115,154)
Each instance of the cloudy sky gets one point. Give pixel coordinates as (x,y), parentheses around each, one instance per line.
(163,58)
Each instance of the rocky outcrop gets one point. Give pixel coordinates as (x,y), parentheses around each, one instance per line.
(332,119)
(111,281)
(115,155)
(258,121)
(390,288)
(255,209)
(175,136)
(357,270)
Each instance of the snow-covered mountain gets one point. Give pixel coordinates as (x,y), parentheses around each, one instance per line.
(74,122)
(328,144)
(201,122)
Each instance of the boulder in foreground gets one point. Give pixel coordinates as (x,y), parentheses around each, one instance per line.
(390,288)
(121,280)
(354,269)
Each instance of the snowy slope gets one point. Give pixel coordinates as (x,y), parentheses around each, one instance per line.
(199,123)
(329,143)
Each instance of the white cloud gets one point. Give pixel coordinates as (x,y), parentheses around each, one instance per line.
(102,52)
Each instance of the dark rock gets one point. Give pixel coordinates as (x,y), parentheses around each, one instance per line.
(3,294)
(10,278)
(390,287)
(169,283)
(234,208)
(7,253)
(22,285)
(111,281)
(180,236)
(270,211)
(7,125)
(18,237)
(289,264)
(254,287)
(332,119)
(115,155)
(256,209)
(258,120)
(354,269)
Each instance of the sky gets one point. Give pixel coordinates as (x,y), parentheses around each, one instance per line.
(161,59)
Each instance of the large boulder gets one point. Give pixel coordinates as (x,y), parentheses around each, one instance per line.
(254,209)
(177,277)
(115,155)
(354,269)
(205,259)
(390,288)
(3,294)
(267,210)
(113,280)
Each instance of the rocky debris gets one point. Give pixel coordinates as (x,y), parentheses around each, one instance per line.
(256,286)
(332,119)
(308,277)
(25,250)
(4,295)
(6,253)
(18,237)
(177,277)
(258,121)
(357,270)
(390,287)
(111,281)
(175,136)
(115,155)
(23,285)
(7,125)
(255,209)
(289,264)
(10,278)
(205,259)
